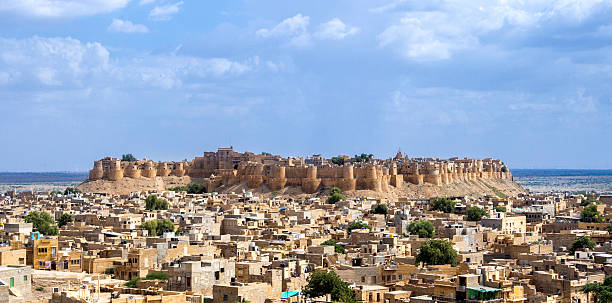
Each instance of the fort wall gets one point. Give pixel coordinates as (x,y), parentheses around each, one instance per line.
(227,167)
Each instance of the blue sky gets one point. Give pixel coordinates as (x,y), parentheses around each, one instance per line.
(524,81)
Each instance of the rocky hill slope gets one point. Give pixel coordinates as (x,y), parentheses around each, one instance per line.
(475,188)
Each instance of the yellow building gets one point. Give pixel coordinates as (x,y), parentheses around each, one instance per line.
(44,253)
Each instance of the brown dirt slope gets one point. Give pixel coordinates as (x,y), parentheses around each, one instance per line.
(475,188)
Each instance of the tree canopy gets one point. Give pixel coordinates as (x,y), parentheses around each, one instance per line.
(158,227)
(588,202)
(363,158)
(381,209)
(358,225)
(590,214)
(602,292)
(43,222)
(422,228)
(337,160)
(581,243)
(71,190)
(154,203)
(128,158)
(337,247)
(500,209)
(64,219)
(437,252)
(321,283)
(335,196)
(195,188)
(475,213)
(443,204)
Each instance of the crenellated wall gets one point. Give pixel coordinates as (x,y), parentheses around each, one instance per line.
(228,168)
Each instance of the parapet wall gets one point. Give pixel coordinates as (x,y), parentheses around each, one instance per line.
(377,176)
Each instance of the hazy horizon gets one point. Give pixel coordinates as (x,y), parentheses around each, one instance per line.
(524,82)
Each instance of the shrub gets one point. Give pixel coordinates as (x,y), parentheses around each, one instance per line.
(337,160)
(335,196)
(154,203)
(590,214)
(500,209)
(381,209)
(158,227)
(195,188)
(157,276)
(475,213)
(581,243)
(128,158)
(64,219)
(337,247)
(437,252)
(358,225)
(443,204)
(422,228)
(43,222)
(321,283)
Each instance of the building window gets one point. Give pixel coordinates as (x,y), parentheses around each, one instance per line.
(12,282)
(224,297)
(25,278)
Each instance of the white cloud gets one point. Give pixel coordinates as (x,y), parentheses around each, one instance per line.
(126,26)
(296,28)
(145,2)
(61,8)
(449,26)
(70,63)
(165,12)
(335,29)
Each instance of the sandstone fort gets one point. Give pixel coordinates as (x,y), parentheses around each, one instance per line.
(228,167)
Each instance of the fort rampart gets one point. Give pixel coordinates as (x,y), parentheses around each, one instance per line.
(227,167)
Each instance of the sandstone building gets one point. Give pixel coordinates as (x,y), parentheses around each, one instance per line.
(228,167)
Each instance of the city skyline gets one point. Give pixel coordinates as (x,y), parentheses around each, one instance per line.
(526,83)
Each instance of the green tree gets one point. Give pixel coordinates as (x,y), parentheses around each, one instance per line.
(132,283)
(64,219)
(363,158)
(157,276)
(337,160)
(180,231)
(178,188)
(321,283)
(500,209)
(581,243)
(422,228)
(266,154)
(588,202)
(602,292)
(590,214)
(358,225)
(504,169)
(335,196)
(437,252)
(609,229)
(128,158)
(71,190)
(195,188)
(475,213)
(43,222)
(158,227)
(154,203)
(337,247)
(443,204)
(381,209)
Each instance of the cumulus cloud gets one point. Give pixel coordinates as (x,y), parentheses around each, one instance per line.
(335,29)
(296,29)
(165,12)
(446,27)
(68,62)
(126,26)
(145,2)
(61,8)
